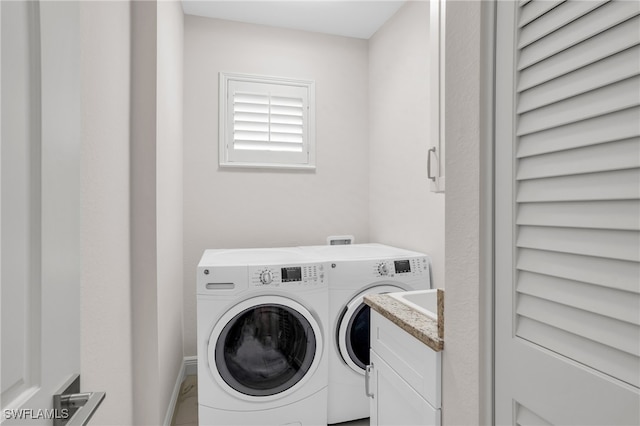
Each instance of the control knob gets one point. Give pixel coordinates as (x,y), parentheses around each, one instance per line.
(266,277)
(383,269)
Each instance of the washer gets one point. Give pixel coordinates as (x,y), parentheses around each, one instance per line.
(262,347)
(357,270)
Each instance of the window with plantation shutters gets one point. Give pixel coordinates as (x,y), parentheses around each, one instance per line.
(266,122)
(568,225)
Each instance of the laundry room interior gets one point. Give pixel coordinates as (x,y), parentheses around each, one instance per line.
(141,96)
(372,137)
(238,209)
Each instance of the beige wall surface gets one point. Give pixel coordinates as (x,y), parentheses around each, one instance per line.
(465,388)
(402,210)
(169,196)
(105,231)
(233,208)
(131,221)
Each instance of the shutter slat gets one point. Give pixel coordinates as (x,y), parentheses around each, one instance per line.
(595,158)
(249,145)
(562,15)
(616,185)
(286,137)
(611,244)
(251,126)
(607,128)
(582,323)
(609,273)
(250,117)
(250,136)
(615,40)
(606,359)
(286,110)
(287,128)
(591,214)
(605,100)
(535,9)
(619,305)
(242,107)
(289,102)
(602,73)
(287,119)
(251,98)
(596,22)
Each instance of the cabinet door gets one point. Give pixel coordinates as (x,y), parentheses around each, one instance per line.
(435,160)
(394,402)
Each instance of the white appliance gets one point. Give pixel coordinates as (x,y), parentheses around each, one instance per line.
(356,270)
(262,346)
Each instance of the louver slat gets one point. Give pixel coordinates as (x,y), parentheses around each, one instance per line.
(608,99)
(601,357)
(535,9)
(546,24)
(620,305)
(577,285)
(624,154)
(609,273)
(607,128)
(610,42)
(577,214)
(592,24)
(602,73)
(611,244)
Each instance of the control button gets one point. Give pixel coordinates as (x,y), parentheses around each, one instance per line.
(266,277)
(383,269)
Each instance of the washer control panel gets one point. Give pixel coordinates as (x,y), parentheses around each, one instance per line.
(411,266)
(287,275)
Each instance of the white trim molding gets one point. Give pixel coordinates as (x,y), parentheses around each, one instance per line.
(189,368)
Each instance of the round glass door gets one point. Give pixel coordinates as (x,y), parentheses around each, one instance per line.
(265,349)
(358,338)
(353,329)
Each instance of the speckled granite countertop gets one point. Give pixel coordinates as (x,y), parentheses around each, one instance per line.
(422,327)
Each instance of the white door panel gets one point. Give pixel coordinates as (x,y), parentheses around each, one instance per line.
(567,330)
(40,178)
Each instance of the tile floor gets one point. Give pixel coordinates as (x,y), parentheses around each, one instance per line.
(186,412)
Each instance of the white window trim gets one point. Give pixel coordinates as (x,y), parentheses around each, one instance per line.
(224,131)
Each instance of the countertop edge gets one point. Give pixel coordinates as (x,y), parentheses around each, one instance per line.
(420,326)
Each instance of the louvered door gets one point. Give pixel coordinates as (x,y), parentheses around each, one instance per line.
(568,213)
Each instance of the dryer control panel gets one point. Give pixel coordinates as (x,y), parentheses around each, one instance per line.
(287,275)
(410,266)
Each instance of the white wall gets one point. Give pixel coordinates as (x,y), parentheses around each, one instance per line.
(252,208)
(169,169)
(466,387)
(402,210)
(105,229)
(156,205)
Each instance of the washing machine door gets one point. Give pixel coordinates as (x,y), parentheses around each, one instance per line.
(265,348)
(353,328)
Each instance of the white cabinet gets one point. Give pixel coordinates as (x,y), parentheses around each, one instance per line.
(404,377)
(436,153)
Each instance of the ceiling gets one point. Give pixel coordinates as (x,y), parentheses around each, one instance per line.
(356,18)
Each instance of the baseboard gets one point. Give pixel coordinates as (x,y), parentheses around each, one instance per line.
(189,368)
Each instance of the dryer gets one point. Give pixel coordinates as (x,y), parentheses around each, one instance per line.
(357,270)
(262,347)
